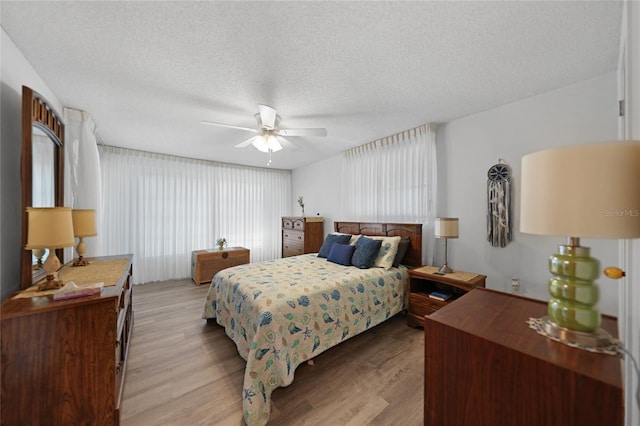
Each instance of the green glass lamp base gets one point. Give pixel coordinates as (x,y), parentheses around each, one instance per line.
(574,294)
(595,339)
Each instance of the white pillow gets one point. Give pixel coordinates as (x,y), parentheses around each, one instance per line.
(387,253)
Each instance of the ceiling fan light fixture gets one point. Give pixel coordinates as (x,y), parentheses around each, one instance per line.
(273,144)
(270,136)
(260,143)
(266,142)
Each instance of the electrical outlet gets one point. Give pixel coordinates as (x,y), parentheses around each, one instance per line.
(515,285)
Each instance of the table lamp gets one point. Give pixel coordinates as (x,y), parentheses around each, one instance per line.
(446,227)
(84,225)
(579,191)
(49,228)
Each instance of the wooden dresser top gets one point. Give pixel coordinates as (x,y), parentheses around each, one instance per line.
(12,307)
(502,318)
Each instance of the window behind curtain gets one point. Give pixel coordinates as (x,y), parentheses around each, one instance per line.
(393,179)
(161,208)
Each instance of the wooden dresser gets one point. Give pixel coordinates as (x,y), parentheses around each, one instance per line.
(301,235)
(205,263)
(63,362)
(484,366)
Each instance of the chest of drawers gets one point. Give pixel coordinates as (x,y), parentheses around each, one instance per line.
(484,366)
(64,361)
(301,235)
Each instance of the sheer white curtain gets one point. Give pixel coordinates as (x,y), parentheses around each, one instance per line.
(161,208)
(393,179)
(82,170)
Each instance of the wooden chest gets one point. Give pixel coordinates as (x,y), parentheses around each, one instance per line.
(301,235)
(205,263)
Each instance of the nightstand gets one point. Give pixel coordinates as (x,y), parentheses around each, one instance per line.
(425,280)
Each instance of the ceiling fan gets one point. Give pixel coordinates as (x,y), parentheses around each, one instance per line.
(269,136)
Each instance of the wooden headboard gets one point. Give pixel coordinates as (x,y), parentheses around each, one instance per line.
(413,231)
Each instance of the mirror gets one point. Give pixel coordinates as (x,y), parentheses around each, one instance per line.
(42,172)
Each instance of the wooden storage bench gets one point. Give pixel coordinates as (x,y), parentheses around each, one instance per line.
(205,263)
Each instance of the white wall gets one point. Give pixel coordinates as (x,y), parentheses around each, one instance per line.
(320,185)
(467,148)
(15,72)
(580,113)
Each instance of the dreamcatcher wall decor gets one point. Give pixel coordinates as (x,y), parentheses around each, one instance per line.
(499,226)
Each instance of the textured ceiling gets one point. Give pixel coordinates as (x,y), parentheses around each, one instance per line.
(149,72)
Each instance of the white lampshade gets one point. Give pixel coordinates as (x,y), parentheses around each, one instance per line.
(582,191)
(267,142)
(446,227)
(84,223)
(49,228)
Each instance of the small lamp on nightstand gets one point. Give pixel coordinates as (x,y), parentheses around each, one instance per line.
(84,225)
(580,191)
(446,227)
(49,228)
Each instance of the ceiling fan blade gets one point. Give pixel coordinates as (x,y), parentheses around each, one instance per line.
(267,116)
(211,123)
(286,143)
(303,132)
(246,143)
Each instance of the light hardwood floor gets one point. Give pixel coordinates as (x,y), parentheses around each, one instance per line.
(185,371)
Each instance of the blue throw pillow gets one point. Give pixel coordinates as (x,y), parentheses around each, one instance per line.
(341,253)
(329,240)
(366,252)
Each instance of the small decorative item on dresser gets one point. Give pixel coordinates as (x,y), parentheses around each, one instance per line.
(301,204)
(221,243)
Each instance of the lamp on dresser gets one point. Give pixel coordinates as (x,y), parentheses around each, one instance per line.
(446,227)
(84,225)
(580,191)
(49,228)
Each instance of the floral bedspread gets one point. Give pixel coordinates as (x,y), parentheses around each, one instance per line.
(283,312)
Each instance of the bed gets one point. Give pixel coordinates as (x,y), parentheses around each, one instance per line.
(283,312)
